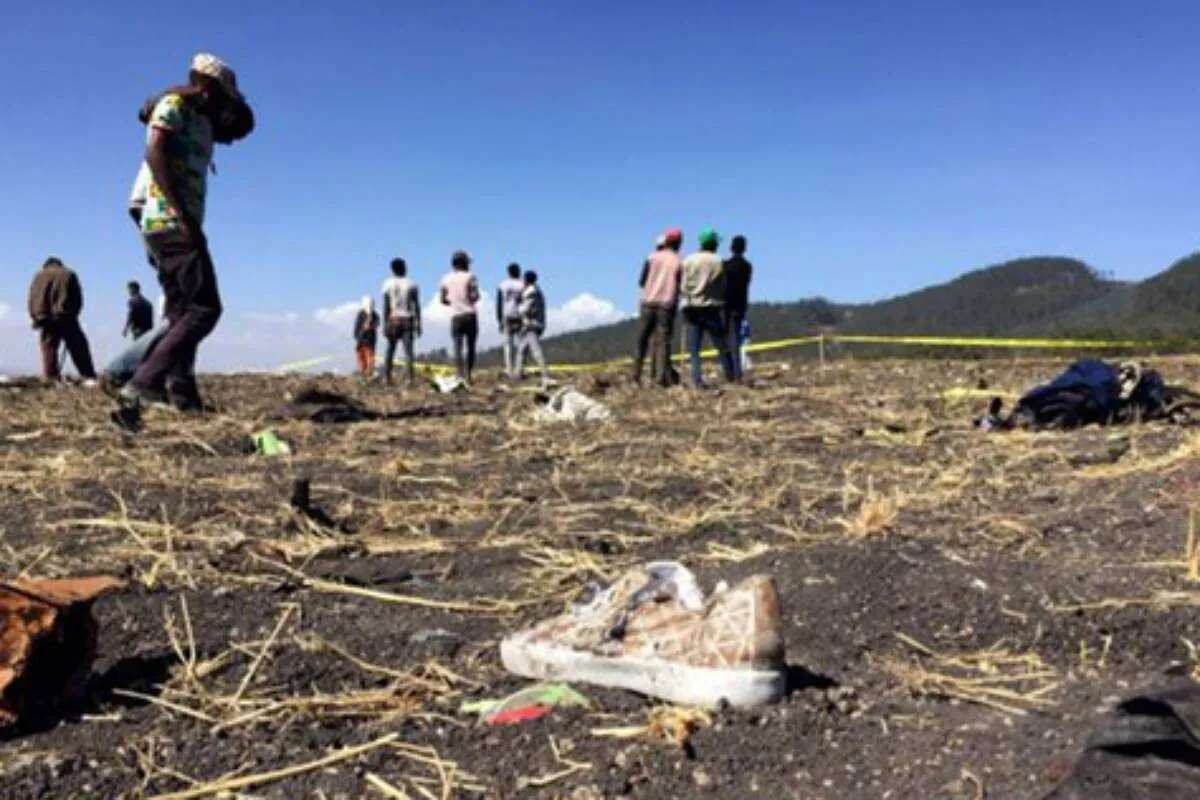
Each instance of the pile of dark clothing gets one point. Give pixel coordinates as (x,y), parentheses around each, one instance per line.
(1148,747)
(1091,391)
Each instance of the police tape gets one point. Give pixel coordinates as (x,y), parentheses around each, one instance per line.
(983,341)
(822,340)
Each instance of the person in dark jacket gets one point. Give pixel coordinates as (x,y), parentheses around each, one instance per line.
(737,297)
(55,302)
(140,318)
(366,328)
(533,324)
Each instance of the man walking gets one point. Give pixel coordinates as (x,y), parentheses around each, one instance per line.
(180,131)
(460,291)
(533,324)
(508,316)
(140,318)
(659,299)
(55,302)
(703,290)
(737,297)
(402,318)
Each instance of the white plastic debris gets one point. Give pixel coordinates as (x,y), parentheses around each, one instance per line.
(449,384)
(570,405)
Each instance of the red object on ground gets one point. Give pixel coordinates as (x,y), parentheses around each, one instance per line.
(515,715)
(47,640)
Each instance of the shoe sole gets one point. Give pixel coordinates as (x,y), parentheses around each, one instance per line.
(676,683)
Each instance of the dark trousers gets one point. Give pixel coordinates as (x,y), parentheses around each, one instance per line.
(55,332)
(189,284)
(706,320)
(464,329)
(405,333)
(733,334)
(659,321)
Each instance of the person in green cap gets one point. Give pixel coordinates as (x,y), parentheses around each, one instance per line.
(702,290)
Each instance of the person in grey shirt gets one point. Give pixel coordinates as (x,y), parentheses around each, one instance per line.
(508,315)
(402,318)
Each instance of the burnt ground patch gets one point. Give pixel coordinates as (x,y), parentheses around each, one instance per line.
(959,608)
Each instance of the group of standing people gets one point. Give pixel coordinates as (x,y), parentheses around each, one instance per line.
(167,205)
(520,317)
(713,294)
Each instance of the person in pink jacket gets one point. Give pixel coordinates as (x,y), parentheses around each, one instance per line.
(659,300)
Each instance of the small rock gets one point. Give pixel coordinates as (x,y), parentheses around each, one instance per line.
(702,779)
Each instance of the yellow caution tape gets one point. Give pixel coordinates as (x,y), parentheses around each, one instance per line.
(296,366)
(780,344)
(980,341)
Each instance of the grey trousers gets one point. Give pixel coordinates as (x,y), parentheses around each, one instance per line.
(510,341)
(531,341)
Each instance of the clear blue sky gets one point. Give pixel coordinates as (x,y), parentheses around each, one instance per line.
(865,148)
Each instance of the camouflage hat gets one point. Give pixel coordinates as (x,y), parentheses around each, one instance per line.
(212,67)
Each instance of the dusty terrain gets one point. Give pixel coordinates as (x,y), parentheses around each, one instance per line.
(960,607)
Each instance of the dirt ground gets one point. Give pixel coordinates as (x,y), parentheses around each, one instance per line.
(959,607)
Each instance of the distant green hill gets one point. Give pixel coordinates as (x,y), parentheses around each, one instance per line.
(1039,296)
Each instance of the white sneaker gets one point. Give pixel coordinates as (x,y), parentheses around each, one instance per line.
(653,632)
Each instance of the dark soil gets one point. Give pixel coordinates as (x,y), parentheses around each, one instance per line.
(863,490)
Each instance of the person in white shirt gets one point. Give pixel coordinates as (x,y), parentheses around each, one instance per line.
(508,315)
(460,291)
(402,318)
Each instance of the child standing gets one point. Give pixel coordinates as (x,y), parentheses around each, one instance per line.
(366,327)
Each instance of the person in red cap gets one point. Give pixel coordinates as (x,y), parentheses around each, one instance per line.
(659,299)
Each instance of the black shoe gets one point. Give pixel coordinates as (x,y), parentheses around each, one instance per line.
(184,397)
(127,418)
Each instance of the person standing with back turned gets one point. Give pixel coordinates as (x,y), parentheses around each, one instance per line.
(140,318)
(703,291)
(55,302)
(366,328)
(659,299)
(533,325)
(737,299)
(460,291)
(181,127)
(508,316)
(402,317)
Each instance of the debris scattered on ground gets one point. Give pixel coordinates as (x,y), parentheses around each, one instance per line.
(301,501)
(1149,746)
(1093,392)
(268,443)
(47,642)
(570,405)
(674,724)
(448,384)
(527,704)
(653,631)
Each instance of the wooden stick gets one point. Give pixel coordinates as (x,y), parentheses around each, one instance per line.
(287,612)
(386,789)
(246,781)
(1193,547)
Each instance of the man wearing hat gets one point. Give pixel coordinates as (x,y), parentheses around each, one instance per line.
(181,126)
(659,298)
(703,290)
(460,291)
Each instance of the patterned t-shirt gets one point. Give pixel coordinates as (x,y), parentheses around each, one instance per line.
(188,156)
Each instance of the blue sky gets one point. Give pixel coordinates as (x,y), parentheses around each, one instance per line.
(865,148)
